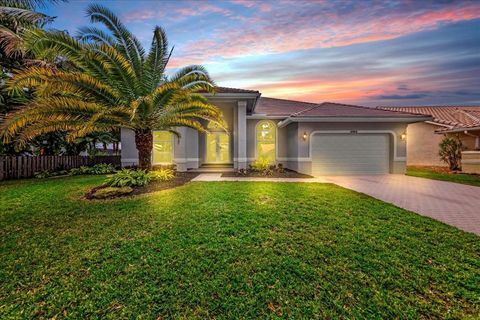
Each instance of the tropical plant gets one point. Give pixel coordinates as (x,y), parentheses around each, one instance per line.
(451,152)
(115,84)
(162,174)
(129,178)
(263,166)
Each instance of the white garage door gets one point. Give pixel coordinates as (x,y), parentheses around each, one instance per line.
(343,154)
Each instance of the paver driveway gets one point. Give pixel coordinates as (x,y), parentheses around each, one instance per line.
(452,203)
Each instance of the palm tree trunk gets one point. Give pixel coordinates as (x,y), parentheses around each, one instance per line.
(144,143)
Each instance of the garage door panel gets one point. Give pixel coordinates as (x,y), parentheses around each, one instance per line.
(350,154)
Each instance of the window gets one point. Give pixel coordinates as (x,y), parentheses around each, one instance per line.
(162,147)
(266,135)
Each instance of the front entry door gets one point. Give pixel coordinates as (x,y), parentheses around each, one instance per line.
(218,147)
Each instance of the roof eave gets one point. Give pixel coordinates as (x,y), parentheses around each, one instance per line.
(231,95)
(252,98)
(353,119)
(439,124)
(266,116)
(461,129)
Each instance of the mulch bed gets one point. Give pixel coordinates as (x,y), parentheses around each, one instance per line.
(275,174)
(180,179)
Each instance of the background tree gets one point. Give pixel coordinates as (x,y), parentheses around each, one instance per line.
(451,152)
(115,84)
(17,17)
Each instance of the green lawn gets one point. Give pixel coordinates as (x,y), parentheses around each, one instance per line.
(432,173)
(228,250)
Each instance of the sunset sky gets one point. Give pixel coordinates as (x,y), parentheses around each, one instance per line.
(364,52)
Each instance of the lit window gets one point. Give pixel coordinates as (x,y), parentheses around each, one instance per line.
(162,147)
(266,136)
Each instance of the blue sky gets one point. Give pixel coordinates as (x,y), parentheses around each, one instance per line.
(364,52)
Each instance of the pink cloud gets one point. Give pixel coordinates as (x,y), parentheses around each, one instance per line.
(353,88)
(139,15)
(262,6)
(284,31)
(189,9)
(201,8)
(245,3)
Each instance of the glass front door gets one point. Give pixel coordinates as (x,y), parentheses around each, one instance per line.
(218,147)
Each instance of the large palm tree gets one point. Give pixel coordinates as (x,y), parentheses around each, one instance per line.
(115,84)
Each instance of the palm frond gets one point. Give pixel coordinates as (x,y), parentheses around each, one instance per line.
(11,43)
(86,34)
(128,44)
(30,4)
(195,78)
(157,59)
(121,70)
(99,61)
(25,16)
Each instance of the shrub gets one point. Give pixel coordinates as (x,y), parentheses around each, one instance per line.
(130,178)
(263,166)
(101,168)
(78,171)
(47,174)
(109,192)
(280,168)
(451,152)
(42,174)
(163,174)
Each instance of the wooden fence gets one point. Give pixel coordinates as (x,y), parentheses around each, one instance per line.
(12,167)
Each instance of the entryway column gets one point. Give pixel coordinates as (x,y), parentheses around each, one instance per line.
(242,134)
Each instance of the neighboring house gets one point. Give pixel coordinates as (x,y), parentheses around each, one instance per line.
(423,138)
(325,138)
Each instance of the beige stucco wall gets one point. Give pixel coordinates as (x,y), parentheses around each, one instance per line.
(471,162)
(422,144)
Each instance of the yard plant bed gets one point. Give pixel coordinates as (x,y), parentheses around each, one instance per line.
(275,174)
(440,173)
(180,179)
(228,250)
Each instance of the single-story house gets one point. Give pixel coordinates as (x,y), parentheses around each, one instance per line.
(424,137)
(312,138)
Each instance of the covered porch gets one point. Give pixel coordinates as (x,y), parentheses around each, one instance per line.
(214,151)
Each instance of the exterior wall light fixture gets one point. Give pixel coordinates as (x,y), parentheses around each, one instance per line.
(403,136)
(304,136)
